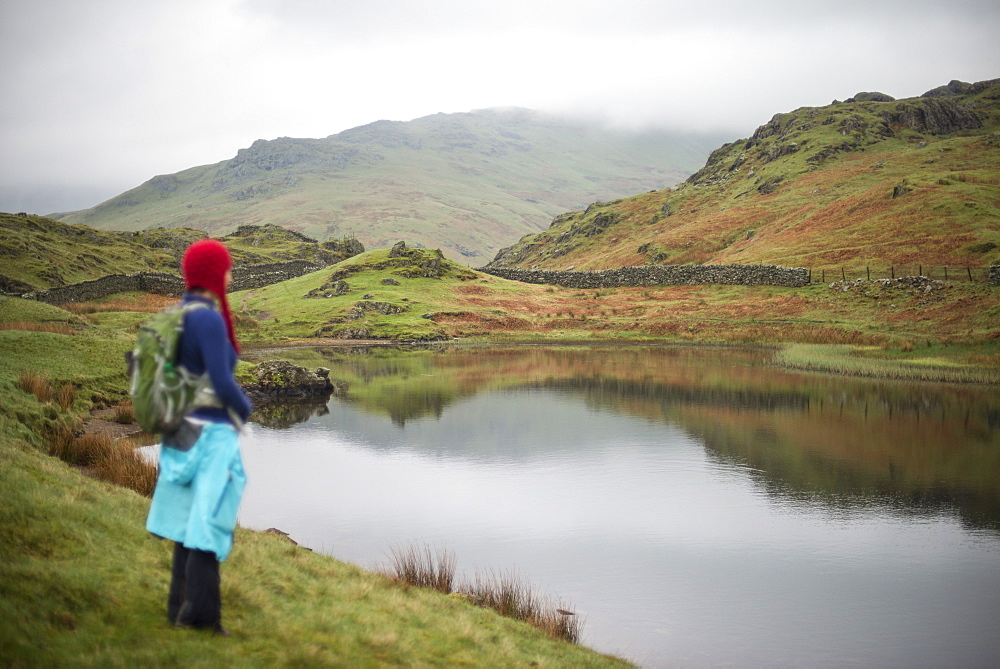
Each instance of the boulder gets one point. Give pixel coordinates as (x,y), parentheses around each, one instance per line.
(873,96)
(399,250)
(280,378)
(952,88)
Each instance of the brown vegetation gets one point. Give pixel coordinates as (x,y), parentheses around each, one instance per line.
(29,326)
(144,303)
(504,593)
(37,385)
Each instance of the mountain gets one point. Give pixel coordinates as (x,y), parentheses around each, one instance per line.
(867,181)
(466,183)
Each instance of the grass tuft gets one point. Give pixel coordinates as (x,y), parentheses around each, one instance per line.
(421,568)
(125,413)
(65,396)
(114,461)
(505,593)
(122,465)
(510,596)
(35,384)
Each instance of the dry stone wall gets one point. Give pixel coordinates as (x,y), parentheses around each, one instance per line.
(244,278)
(662,275)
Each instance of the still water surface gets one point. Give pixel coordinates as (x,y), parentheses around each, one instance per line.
(696,507)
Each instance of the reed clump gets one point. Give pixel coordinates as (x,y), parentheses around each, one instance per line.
(114,461)
(510,596)
(122,465)
(35,384)
(65,396)
(125,413)
(422,568)
(504,592)
(82,451)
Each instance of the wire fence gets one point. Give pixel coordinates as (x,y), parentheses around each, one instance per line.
(871,273)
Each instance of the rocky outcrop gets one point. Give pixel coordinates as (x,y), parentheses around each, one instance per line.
(934,116)
(9,286)
(995,274)
(955,87)
(281,379)
(871,97)
(334,288)
(399,250)
(358,311)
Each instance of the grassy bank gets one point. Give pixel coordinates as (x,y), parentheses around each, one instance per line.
(83,583)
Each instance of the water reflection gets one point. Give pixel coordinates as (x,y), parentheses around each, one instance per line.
(289,412)
(697,505)
(914,447)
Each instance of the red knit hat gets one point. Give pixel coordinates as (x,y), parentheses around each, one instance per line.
(204,266)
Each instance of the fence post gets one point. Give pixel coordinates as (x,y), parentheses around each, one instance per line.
(892,271)
(969,270)
(842,274)
(920,272)
(868,270)
(945,272)
(822,276)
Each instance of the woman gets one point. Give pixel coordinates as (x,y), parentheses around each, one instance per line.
(201,477)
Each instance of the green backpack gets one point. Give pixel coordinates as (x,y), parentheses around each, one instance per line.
(162,394)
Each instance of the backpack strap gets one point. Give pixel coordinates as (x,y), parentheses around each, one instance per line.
(205,396)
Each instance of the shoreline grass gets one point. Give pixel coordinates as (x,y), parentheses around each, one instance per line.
(873,362)
(506,593)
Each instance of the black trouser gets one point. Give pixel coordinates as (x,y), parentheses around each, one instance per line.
(194,598)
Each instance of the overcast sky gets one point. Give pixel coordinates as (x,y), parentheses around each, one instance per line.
(101,95)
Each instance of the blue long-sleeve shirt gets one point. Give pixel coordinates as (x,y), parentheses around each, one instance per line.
(205,346)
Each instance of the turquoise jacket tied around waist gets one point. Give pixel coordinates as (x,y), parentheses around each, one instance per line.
(198,492)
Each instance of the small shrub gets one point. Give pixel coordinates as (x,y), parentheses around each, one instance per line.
(35,384)
(244,322)
(981,247)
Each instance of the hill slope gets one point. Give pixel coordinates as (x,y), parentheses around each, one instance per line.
(869,181)
(40,253)
(467,183)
